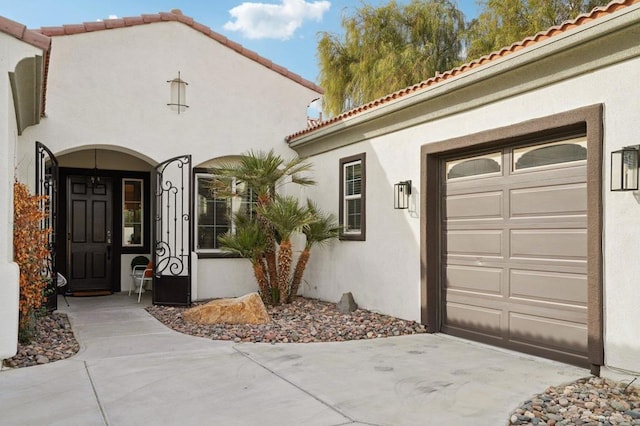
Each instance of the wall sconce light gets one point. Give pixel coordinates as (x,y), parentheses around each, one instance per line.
(624,169)
(178,94)
(401,193)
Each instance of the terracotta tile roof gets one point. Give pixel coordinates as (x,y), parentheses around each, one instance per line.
(33,38)
(21,32)
(177,16)
(582,19)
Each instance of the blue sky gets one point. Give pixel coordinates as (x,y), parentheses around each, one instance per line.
(284,31)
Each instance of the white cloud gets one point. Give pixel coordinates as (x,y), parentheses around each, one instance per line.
(110,17)
(279,21)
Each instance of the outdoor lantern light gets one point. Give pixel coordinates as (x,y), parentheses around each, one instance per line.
(178,94)
(401,193)
(624,169)
(95,178)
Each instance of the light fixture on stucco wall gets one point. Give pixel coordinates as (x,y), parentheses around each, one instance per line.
(178,94)
(624,169)
(401,194)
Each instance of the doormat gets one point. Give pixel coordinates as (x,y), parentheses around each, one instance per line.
(91,293)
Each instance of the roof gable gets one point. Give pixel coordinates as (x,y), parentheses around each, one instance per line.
(21,32)
(176,16)
(582,19)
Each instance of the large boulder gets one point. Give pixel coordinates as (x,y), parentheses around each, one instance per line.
(247,309)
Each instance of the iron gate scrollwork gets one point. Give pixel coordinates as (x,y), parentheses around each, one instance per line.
(47,185)
(172,232)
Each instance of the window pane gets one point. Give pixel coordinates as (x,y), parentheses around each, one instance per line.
(215,214)
(132,212)
(480,165)
(553,153)
(353,179)
(354,215)
(132,234)
(205,237)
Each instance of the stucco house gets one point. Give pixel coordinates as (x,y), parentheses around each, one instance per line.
(477,202)
(100,115)
(511,235)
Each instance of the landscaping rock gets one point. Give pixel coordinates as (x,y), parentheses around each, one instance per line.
(589,401)
(303,320)
(347,304)
(247,309)
(54,341)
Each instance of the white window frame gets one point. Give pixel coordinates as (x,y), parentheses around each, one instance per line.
(142,208)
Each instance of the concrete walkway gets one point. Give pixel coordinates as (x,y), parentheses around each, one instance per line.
(131,370)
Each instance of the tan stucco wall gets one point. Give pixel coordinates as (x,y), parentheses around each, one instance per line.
(11,52)
(599,64)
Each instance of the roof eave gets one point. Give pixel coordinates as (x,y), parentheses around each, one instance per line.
(559,43)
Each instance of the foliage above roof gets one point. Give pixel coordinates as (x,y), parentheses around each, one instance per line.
(596,13)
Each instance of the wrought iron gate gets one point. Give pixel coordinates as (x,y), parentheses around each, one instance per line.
(47,185)
(172,232)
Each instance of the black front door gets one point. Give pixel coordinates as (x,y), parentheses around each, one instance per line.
(89,233)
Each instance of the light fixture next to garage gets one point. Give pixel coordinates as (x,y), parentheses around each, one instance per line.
(178,94)
(401,194)
(624,169)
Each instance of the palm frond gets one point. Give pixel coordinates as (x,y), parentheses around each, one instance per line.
(322,228)
(286,215)
(249,240)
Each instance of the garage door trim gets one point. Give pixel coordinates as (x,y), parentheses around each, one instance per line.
(587,120)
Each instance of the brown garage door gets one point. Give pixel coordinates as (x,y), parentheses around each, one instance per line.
(515,249)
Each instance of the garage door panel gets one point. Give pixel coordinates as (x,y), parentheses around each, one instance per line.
(474,318)
(476,279)
(486,242)
(546,309)
(514,254)
(549,243)
(467,206)
(545,201)
(568,336)
(562,288)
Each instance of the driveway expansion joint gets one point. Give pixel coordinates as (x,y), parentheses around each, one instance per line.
(95,393)
(306,392)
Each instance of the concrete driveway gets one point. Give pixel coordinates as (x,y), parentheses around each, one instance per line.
(132,370)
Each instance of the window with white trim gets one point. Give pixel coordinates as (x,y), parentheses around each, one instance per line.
(352,197)
(132,212)
(214,214)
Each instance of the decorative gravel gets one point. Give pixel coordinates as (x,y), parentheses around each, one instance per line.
(54,341)
(302,321)
(590,401)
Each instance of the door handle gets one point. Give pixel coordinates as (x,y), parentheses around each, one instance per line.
(109,252)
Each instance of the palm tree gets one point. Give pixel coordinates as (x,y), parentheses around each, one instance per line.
(286,217)
(249,242)
(262,172)
(322,228)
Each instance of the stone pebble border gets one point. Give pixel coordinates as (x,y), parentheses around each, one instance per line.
(591,401)
(302,321)
(54,341)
